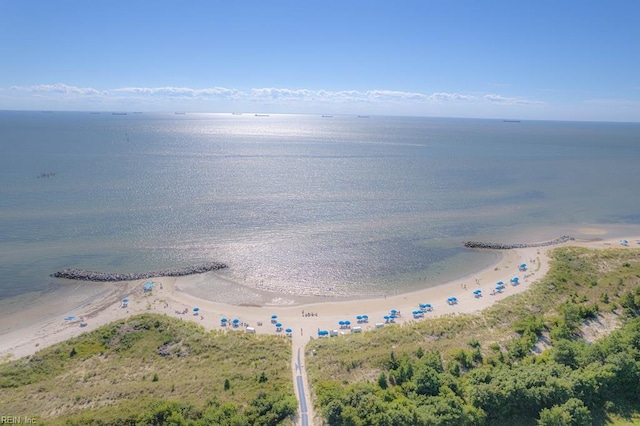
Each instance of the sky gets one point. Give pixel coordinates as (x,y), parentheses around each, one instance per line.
(550,60)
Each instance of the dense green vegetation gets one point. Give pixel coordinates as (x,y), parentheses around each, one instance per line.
(152,369)
(528,359)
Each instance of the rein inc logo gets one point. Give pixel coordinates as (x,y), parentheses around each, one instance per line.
(18,420)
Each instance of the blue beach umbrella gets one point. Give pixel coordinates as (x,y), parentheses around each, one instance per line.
(341,322)
(196,309)
(358,317)
(236,320)
(278,325)
(365,317)
(500,282)
(224,320)
(288,330)
(274,316)
(125,300)
(69,318)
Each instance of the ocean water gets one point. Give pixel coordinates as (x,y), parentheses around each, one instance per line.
(299,204)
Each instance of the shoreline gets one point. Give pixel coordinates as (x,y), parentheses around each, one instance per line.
(41,323)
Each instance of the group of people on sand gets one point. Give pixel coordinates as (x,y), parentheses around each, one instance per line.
(309,314)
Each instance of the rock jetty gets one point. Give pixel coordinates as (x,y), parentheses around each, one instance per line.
(499,246)
(82,275)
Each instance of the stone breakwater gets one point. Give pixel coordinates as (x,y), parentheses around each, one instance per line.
(82,275)
(499,246)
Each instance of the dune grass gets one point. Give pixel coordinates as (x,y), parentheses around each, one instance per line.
(151,365)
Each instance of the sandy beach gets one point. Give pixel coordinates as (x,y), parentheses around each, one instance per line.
(30,325)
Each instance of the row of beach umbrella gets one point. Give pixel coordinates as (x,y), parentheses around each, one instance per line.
(362,318)
(225,321)
(424,307)
(344,324)
(394,313)
(279,327)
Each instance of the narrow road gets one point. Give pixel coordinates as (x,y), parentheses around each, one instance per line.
(300,381)
(304,419)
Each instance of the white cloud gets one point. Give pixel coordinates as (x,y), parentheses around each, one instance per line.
(276,99)
(274,93)
(176,92)
(59,89)
(370,96)
(451,97)
(492,97)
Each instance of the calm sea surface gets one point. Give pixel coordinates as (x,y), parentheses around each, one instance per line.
(298,204)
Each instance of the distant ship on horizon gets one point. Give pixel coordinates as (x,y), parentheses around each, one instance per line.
(511,121)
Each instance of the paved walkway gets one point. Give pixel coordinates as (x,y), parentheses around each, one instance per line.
(301,382)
